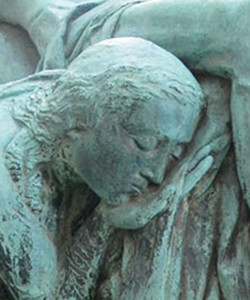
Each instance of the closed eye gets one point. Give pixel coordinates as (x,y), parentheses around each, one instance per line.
(146,143)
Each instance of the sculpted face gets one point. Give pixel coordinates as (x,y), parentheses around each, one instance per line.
(132,113)
(120,160)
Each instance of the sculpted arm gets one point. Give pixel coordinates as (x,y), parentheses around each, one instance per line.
(27,256)
(207,35)
(210,35)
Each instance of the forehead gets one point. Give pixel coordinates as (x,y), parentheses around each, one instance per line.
(165,119)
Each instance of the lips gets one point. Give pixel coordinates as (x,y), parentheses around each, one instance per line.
(143,206)
(139,185)
(136,190)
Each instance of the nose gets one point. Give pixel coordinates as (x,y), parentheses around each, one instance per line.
(155,175)
(155,168)
(155,171)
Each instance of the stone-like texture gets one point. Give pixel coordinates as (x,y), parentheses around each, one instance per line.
(18,55)
(187,235)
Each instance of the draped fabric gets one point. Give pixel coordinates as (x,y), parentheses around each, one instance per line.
(87,24)
(201,251)
(195,249)
(198,252)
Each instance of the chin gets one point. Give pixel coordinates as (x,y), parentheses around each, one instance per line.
(121,198)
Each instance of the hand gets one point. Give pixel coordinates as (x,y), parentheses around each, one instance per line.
(181,180)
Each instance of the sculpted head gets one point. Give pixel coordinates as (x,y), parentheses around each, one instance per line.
(139,111)
(126,108)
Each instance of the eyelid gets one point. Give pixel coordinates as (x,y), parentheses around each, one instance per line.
(146,143)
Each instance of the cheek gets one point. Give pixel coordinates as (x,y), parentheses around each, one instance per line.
(106,163)
(86,159)
(115,152)
(98,160)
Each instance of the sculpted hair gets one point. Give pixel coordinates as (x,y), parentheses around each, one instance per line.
(80,102)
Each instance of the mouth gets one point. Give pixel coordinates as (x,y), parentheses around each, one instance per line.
(144,189)
(141,205)
(139,194)
(136,191)
(141,186)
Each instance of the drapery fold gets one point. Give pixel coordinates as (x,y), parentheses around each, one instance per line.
(85,25)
